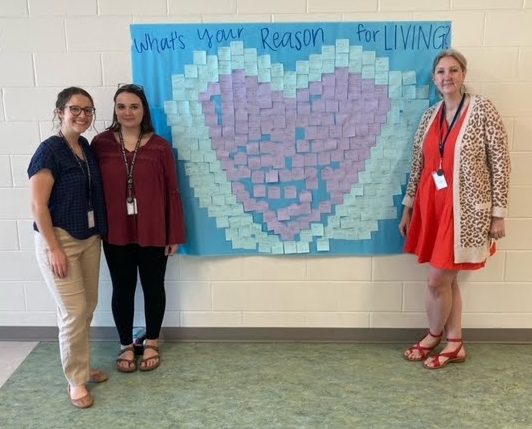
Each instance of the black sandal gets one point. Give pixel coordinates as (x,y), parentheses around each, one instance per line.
(131,363)
(156,358)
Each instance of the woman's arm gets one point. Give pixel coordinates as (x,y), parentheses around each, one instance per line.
(41,185)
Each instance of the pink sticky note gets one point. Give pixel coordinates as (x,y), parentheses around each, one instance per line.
(259,191)
(315,88)
(254,162)
(325,207)
(317,146)
(311,159)
(305,197)
(298,161)
(290,192)
(272,176)
(303,108)
(282,214)
(274,192)
(302,146)
(318,105)
(241,158)
(298,173)
(312,183)
(324,158)
(257,176)
(329,92)
(266,161)
(285,175)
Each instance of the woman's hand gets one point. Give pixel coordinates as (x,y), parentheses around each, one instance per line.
(404,225)
(58,262)
(170,249)
(497,229)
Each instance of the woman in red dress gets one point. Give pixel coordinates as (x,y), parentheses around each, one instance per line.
(455,202)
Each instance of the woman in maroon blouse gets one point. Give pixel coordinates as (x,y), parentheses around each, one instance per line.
(145,218)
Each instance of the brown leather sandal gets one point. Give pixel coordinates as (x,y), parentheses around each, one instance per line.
(131,363)
(98,376)
(86,401)
(156,358)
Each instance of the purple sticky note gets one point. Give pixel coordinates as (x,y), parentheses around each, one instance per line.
(315,88)
(325,207)
(266,161)
(303,108)
(252,149)
(318,105)
(259,191)
(331,106)
(298,173)
(302,146)
(298,161)
(290,192)
(285,175)
(257,176)
(274,192)
(254,162)
(241,158)
(324,158)
(302,95)
(272,176)
(312,183)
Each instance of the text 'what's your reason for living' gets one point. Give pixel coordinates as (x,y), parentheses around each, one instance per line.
(391,37)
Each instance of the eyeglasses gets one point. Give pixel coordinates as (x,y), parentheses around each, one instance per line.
(76,110)
(131,87)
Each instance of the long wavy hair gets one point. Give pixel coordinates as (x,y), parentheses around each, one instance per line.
(146,126)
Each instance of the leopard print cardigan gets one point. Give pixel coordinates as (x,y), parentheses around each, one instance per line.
(481,176)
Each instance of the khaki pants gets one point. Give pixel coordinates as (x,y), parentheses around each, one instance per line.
(76,297)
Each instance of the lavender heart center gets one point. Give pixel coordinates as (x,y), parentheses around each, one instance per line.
(277,150)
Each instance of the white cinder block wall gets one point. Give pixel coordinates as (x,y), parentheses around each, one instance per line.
(46,45)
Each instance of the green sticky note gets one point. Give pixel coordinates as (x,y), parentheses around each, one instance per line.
(191,70)
(322,245)
(342,45)
(409,77)
(237,48)
(317,229)
(290,247)
(342,59)
(368,57)
(368,71)
(303,247)
(199,57)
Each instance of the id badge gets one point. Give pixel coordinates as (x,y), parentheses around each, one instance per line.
(90,218)
(132,207)
(439,180)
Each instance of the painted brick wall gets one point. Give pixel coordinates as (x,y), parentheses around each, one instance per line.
(46,45)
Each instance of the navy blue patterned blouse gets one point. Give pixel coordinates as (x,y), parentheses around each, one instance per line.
(69,199)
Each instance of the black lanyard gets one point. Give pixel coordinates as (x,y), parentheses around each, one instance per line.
(455,117)
(88,174)
(129,169)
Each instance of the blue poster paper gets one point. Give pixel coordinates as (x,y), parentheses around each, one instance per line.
(292,138)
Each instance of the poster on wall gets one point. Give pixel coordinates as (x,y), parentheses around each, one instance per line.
(292,138)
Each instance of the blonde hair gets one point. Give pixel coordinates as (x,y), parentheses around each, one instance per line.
(458,56)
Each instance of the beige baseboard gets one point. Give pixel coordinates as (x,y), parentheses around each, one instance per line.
(331,335)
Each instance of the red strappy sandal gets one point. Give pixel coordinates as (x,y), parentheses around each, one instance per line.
(452,357)
(423,350)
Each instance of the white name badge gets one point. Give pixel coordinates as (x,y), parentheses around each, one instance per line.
(132,207)
(439,180)
(90,218)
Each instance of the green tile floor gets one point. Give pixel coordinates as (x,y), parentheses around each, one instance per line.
(279,385)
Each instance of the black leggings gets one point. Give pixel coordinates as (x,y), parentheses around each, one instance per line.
(123,262)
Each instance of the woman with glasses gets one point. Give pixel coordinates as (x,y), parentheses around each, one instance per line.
(69,212)
(145,217)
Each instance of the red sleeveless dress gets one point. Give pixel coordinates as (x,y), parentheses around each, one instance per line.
(431,233)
